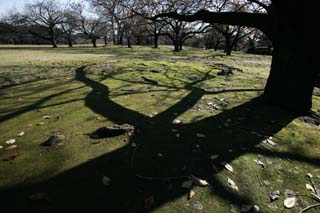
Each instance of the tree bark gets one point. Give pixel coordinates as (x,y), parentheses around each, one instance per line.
(216,46)
(180,46)
(292,76)
(105,41)
(52,33)
(228,48)
(129,42)
(70,42)
(94,42)
(291,80)
(176,46)
(156,39)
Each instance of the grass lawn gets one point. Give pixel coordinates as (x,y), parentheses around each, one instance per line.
(193,122)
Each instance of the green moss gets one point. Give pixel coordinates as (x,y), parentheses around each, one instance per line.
(113,91)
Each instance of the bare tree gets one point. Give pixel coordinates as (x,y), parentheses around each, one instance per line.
(69,25)
(91,25)
(44,16)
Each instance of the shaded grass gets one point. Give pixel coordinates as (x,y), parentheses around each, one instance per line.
(113,89)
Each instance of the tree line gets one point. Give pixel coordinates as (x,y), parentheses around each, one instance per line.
(128,22)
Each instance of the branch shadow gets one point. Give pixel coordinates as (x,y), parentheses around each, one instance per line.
(138,173)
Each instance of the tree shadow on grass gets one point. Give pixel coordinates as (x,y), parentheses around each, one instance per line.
(139,173)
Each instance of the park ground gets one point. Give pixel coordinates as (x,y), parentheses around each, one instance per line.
(192,122)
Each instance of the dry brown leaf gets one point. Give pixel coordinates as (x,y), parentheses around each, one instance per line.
(12,147)
(191,194)
(199,182)
(149,202)
(10,158)
(290,202)
(228,167)
(213,157)
(106,181)
(233,184)
(308,186)
(21,134)
(11,141)
(187,184)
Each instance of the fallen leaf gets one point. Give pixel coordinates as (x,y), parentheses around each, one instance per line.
(274,195)
(246,208)
(98,118)
(38,196)
(256,208)
(228,166)
(200,135)
(215,168)
(309,175)
(198,181)
(21,134)
(12,147)
(213,157)
(1,147)
(149,202)
(10,158)
(289,202)
(106,181)
(198,205)
(11,141)
(29,125)
(187,184)
(191,194)
(260,163)
(233,184)
(269,141)
(308,186)
(177,121)
(46,117)
(40,124)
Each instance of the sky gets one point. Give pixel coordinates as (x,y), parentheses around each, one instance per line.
(7,5)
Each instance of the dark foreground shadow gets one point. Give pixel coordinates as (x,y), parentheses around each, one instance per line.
(137,174)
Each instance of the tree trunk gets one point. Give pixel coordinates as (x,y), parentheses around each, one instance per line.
(129,42)
(113,32)
(94,42)
(292,76)
(105,41)
(70,42)
(176,46)
(53,36)
(228,47)
(180,46)
(156,39)
(217,45)
(120,40)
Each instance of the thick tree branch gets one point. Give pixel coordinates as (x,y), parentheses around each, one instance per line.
(266,7)
(255,20)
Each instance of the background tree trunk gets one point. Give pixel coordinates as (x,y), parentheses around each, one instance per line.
(156,39)
(94,42)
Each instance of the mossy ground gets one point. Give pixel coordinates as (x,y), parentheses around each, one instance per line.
(90,88)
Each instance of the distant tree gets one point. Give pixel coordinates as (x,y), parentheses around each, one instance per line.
(116,15)
(92,25)
(69,25)
(43,17)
